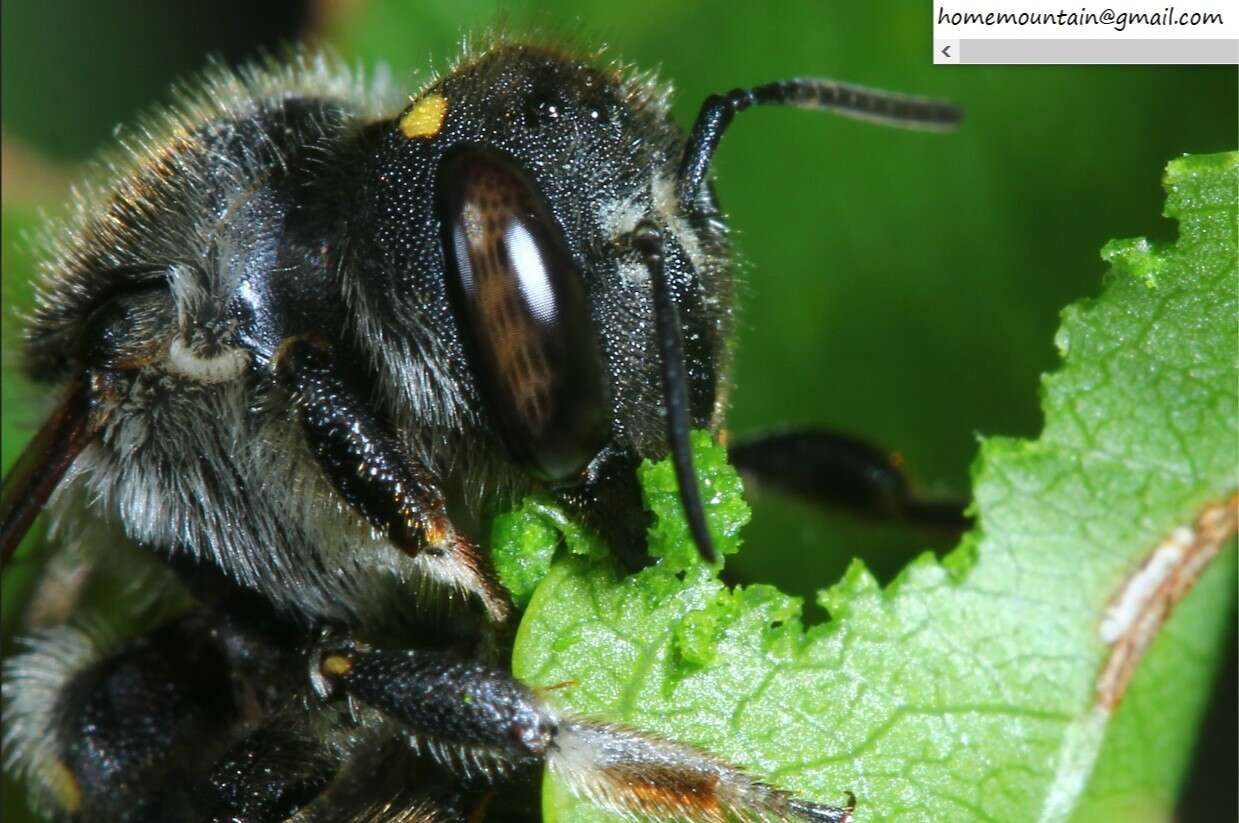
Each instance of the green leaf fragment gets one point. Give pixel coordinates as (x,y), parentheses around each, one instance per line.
(523,541)
(721,492)
(967,689)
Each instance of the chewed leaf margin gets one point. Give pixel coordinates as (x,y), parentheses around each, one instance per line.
(968,688)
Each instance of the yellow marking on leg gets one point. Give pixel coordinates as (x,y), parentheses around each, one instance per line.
(64,787)
(336,665)
(425,117)
(436,533)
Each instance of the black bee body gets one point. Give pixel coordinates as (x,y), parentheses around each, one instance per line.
(310,348)
(172,274)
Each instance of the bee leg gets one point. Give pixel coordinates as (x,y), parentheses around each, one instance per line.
(115,735)
(478,719)
(370,470)
(836,470)
(609,502)
(267,775)
(282,773)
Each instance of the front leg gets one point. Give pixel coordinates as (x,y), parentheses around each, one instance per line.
(609,502)
(474,717)
(367,466)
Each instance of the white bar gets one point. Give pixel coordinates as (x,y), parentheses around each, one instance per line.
(1093,52)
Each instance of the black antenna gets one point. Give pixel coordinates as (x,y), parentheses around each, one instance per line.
(858,102)
(648,241)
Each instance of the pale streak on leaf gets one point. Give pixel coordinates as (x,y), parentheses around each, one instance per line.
(1144,603)
(1132,621)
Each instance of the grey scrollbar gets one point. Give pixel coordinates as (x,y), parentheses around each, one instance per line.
(1098,52)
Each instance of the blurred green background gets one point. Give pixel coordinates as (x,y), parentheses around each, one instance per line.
(900,286)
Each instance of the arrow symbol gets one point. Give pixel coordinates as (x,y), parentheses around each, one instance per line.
(946,51)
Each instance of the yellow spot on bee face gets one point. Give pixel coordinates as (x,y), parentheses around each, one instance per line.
(425,117)
(337,665)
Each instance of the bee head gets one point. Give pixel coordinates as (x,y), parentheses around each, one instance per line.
(510,199)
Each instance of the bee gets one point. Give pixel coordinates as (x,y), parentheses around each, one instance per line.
(307,347)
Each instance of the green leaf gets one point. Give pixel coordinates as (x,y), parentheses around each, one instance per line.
(991,684)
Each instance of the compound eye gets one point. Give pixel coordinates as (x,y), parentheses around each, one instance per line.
(522,310)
